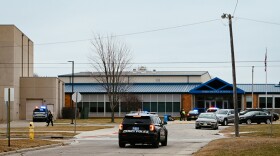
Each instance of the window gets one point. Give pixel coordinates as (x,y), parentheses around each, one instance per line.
(168,106)
(146,106)
(161,107)
(176,106)
(248,101)
(277,102)
(263,102)
(154,106)
(93,106)
(100,107)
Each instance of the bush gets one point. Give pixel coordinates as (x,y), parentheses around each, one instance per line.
(68,112)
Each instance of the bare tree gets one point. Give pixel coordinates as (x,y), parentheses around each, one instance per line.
(131,102)
(110,60)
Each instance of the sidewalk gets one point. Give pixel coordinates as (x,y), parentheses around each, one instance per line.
(22,123)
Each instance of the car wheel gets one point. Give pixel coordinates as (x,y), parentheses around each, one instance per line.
(225,122)
(121,144)
(196,127)
(215,127)
(268,121)
(34,120)
(188,119)
(164,143)
(258,123)
(156,144)
(248,121)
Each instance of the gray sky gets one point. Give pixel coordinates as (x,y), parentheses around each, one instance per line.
(198,34)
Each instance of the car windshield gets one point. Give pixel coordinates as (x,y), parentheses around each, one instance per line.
(208,116)
(193,112)
(39,110)
(221,112)
(250,113)
(133,120)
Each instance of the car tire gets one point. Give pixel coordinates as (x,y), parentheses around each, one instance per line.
(164,143)
(248,121)
(258,123)
(121,144)
(34,120)
(156,144)
(196,127)
(188,119)
(225,122)
(268,121)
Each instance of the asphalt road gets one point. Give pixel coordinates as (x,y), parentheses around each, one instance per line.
(183,139)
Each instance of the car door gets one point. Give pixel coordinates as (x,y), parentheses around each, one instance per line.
(256,117)
(159,125)
(260,117)
(231,116)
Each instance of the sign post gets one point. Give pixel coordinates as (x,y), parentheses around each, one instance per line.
(8,97)
(76,97)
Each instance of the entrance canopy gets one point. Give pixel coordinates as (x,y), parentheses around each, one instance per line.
(215,86)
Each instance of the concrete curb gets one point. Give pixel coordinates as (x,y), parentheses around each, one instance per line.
(34,148)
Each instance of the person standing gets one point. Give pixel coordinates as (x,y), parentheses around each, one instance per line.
(50,118)
(182,115)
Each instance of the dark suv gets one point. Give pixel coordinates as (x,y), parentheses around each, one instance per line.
(142,128)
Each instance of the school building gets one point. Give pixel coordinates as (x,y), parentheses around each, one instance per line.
(166,92)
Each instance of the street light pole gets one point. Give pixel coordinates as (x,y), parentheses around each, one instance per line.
(72,83)
(236,118)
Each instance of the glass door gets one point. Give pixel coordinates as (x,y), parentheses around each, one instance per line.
(209,103)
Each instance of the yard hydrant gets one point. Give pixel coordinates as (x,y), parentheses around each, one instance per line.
(31,131)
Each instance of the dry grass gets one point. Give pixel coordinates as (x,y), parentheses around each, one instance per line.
(90,121)
(23,143)
(57,130)
(241,146)
(257,141)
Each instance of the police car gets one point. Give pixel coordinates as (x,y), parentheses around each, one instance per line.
(143,128)
(40,114)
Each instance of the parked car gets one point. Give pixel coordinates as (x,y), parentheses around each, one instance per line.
(255,117)
(142,128)
(192,115)
(208,120)
(212,109)
(275,115)
(225,116)
(40,114)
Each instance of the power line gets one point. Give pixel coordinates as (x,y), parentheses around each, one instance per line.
(121,35)
(185,62)
(235,7)
(266,22)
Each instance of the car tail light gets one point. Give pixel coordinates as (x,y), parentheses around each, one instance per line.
(188,114)
(121,127)
(152,127)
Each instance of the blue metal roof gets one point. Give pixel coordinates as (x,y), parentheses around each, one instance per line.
(167,88)
(260,88)
(135,88)
(215,86)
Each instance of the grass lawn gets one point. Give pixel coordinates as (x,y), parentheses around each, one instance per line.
(254,140)
(23,143)
(59,129)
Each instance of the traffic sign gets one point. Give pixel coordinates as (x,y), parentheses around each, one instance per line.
(77,97)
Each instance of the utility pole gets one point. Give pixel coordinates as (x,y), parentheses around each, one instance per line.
(252,87)
(236,118)
(72,83)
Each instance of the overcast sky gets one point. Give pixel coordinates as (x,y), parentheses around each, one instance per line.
(190,34)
